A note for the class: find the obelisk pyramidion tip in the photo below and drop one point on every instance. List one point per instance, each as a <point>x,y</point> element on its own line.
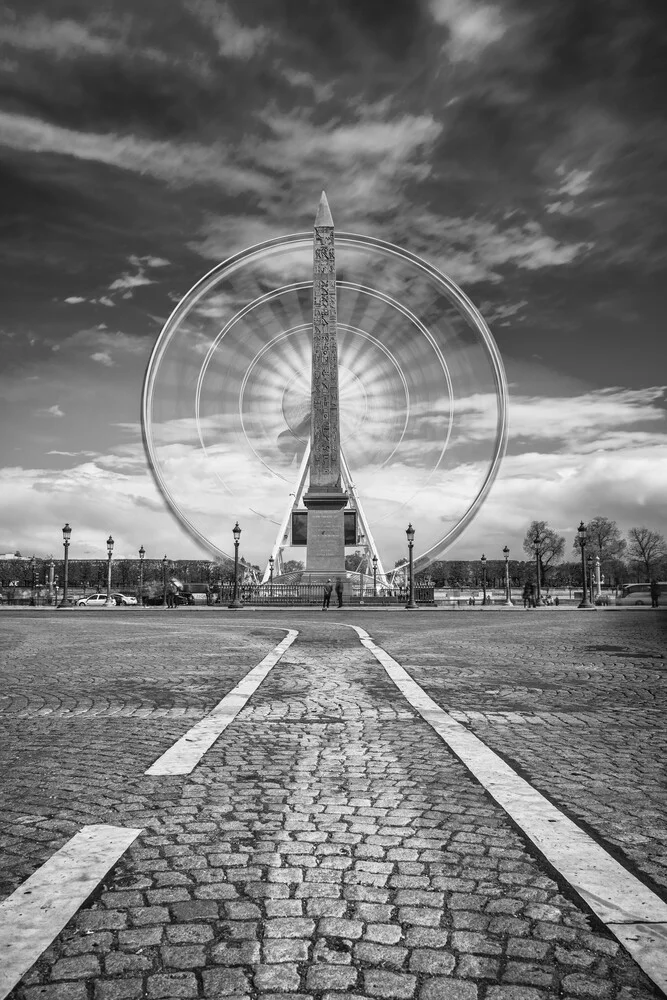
<point>323,217</point>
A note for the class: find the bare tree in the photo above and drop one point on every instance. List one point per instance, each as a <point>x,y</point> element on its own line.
<point>604,538</point>
<point>646,547</point>
<point>551,546</point>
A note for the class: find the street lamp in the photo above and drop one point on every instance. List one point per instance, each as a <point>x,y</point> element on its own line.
<point>142,553</point>
<point>412,604</point>
<point>508,588</point>
<point>271,565</point>
<point>483,562</point>
<point>33,584</point>
<point>67,532</point>
<point>236,603</point>
<point>537,542</point>
<point>375,576</point>
<point>164,582</point>
<point>109,603</point>
<point>581,532</point>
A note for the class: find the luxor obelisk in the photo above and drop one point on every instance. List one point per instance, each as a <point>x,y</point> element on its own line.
<point>325,499</point>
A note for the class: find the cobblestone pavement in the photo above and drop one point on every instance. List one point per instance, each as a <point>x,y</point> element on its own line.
<point>328,845</point>
<point>577,707</point>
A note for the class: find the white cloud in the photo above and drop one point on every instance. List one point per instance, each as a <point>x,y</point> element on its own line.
<point>473,27</point>
<point>235,40</point>
<point>129,281</point>
<point>176,163</point>
<point>74,300</point>
<point>103,358</point>
<point>65,38</point>
<point>51,411</point>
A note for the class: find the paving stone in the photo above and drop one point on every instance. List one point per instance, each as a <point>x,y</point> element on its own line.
<point>276,977</point>
<point>175,984</point>
<point>119,962</point>
<point>389,984</point>
<point>119,989</point>
<point>287,950</point>
<point>224,982</point>
<point>57,991</point>
<point>525,972</point>
<point>289,927</point>
<point>439,988</point>
<point>433,961</point>
<point>330,978</point>
<point>581,985</point>
<point>383,933</point>
<point>478,967</point>
<point>79,967</point>
<point>336,927</point>
<point>380,954</point>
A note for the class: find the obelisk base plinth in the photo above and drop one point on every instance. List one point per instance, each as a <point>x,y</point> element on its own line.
<point>325,553</point>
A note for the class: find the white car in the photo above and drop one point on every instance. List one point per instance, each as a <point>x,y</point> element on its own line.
<point>99,600</point>
<point>640,594</point>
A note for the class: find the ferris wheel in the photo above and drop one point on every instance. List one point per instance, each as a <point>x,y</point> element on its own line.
<point>422,395</point>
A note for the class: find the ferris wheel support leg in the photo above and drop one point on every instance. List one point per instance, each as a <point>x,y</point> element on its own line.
<point>283,530</point>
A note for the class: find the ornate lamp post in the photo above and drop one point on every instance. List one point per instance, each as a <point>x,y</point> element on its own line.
<point>375,576</point>
<point>508,588</point>
<point>483,562</point>
<point>581,532</point>
<point>67,531</point>
<point>236,603</point>
<point>271,565</point>
<point>109,603</point>
<point>412,604</point>
<point>537,542</point>
<point>33,582</point>
<point>142,553</point>
<point>164,582</point>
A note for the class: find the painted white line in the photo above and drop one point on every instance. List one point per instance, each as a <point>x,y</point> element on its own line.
<point>634,914</point>
<point>185,754</point>
<point>36,913</point>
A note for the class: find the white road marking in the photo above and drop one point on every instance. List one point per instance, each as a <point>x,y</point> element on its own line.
<point>185,754</point>
<point>636,916</point>
<point>36,913</point>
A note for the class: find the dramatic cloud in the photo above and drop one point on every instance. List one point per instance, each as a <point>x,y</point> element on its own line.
<point>179,163</point>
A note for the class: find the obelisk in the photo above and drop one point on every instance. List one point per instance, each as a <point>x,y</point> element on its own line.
<point>325,499</point>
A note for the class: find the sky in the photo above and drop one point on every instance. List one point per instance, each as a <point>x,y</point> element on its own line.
<point>520,148</point>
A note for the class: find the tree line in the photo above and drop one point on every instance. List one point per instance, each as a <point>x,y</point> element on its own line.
<point>639,557</point>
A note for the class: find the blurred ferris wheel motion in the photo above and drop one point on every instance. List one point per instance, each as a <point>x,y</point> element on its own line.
<point>422,391</point>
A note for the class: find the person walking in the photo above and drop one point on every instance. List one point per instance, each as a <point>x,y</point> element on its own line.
<point>339,591</point>
<point>655,593</point>
<point>328,590</point>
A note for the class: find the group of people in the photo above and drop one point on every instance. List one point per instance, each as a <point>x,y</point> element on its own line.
<point>529,597</point>
<point>328,591</point>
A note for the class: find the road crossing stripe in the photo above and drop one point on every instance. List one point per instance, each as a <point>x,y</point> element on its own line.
<point>38,910</point>
<point>636,916</point>
<point>185,754</point>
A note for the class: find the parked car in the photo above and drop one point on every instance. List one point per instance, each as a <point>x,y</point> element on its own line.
<point>92,601</point>
<point>126,599</point>
<point>640,594</point>
<point>201,593</point>
<point>99,600</point>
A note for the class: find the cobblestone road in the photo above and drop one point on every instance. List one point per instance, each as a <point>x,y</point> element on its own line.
<point>329,844</point>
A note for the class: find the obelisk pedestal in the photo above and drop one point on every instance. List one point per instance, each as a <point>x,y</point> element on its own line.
<point>325,499</point>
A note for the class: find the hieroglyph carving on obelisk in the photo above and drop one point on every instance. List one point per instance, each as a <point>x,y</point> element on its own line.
<point>325,421</point>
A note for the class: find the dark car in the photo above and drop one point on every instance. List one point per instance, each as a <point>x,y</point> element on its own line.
<point>201,593</point>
